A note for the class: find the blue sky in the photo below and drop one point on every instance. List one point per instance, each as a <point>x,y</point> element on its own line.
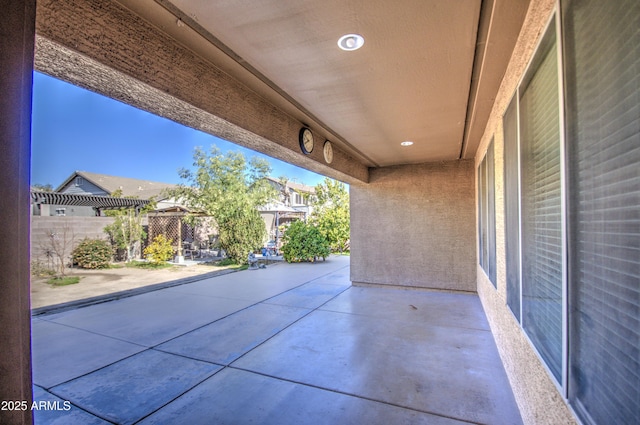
<point>75,129</point>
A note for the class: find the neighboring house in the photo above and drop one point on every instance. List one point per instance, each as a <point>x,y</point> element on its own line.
<point>295,195</point>
<point>294,203</point>
<point>276,214</point>
<point>86,183</point>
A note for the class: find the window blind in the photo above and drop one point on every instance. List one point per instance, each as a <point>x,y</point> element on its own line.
<point>542,253</point>
<point>486,215</point>
<point>482,236</point>
<point>491,215</point>
<point>603,95</point>
<point>512,209</point>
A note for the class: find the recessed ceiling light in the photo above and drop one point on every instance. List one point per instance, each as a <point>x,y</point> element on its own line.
<point>350,42</point>
<point>406,143</point>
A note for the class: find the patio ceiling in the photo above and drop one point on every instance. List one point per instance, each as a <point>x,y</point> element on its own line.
<point>428,72</point>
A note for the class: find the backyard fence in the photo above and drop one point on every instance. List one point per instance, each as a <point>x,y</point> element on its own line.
<point>54,237</point>
<point>49,233</point>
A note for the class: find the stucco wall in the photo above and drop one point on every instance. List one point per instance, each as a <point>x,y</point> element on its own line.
<point>71,229</point>
<point>413,226</point>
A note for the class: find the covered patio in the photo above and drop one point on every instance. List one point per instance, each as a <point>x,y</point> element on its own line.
<point>294,343</point>
<point>439,118</point>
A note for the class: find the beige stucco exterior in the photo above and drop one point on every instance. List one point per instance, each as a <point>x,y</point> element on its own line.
<point>413,226</point>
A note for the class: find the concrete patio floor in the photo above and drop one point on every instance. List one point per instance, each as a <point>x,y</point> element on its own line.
<point>290,344</point>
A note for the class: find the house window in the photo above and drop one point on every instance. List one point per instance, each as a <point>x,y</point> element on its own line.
<point>486,215</point>
<point>603,82</point>
<point>79,181</point>
<point>541,205</point>
<point>512,207</point>
<point>534,224</point>
<point>584,320</point>
<point>535,236</point>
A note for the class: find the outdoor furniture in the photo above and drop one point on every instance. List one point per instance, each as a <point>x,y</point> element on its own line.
<point>271,248</point>
<point>186,249</point>
<point>253,261</point>
<point>191,250</point>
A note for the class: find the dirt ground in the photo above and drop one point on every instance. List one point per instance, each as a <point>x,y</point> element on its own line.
<point>100,282</point>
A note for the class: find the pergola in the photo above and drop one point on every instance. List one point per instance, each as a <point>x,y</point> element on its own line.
<point>99,203</point>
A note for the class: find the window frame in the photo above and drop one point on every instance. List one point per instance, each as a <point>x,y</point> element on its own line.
<point>487,214</point>
<point>553,24</point>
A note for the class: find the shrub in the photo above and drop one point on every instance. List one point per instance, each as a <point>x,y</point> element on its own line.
<point>304,242</point>
<point>93,254</point>
<point>160,250</point>
<point>331,213</point>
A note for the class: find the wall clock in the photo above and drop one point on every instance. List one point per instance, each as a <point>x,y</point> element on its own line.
<point>328,152</point>
<point>306,140</point>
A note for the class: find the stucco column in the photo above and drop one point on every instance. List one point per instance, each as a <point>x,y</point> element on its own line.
<point>17,34</point>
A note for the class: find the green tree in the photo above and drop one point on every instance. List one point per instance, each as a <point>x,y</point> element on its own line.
<point>331,213</point>
<point>285,196</point>
<point>126,232</point>
<point>229,189</point>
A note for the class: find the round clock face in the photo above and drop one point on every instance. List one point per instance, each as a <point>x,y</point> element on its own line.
<point>306,140</point>
<point>328,152</point>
